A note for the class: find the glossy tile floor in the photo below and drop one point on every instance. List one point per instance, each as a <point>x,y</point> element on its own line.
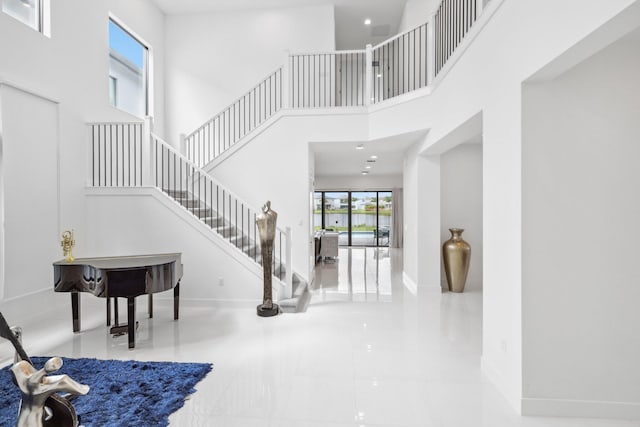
<point>366,353</point>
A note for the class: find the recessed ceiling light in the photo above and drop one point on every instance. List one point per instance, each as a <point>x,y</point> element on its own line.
<point>365,172</point>
<point>360,147</point>
<point>367,21</point>
<point>374,157</point>
<point>367,167</point>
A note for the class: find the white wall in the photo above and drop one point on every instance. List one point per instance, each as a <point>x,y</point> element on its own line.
<point>487,79</point>
<point>29,168</point>
<point>421,221</point>
<point>416,13</point>
<point>580,237</point>
<point>139,222</point>
<point>276,166</point>
<point>461,204</point>
<point>72,68</point>
<point>213,59</point>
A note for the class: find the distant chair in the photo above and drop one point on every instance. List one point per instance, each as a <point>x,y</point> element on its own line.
<point>329,245</point>
<point>380,235</point>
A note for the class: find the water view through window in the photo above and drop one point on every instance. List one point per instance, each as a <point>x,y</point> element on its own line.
<point>363,218</point>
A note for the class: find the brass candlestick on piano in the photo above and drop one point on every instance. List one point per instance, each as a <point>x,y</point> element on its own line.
<point>67,244</point>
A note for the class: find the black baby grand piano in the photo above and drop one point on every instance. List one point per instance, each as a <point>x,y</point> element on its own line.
<point>122,276</point>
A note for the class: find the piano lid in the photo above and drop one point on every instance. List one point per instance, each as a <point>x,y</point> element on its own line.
<point>130,261</point>
<point>118,276</point>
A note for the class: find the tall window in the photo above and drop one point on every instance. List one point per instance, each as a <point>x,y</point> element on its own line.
<point>363,218</point>
<point>128,71</point>
<point>30,12</point>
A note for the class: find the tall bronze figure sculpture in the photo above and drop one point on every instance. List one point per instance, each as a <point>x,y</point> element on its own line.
<point>266,222</point>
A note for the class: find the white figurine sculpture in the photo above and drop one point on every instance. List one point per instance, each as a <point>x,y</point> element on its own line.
<point>36,388</point>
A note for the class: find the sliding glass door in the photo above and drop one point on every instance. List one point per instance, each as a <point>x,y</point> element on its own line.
<point>363,218</point>
<point>383,232</point>
<point>336,214</point>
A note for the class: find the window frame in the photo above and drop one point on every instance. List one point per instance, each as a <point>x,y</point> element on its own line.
<point>42,16</point>
<point>113,90</point>
<point>147,67</point>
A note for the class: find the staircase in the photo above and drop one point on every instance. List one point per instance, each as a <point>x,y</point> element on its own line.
<point>246,242</point>
<point>129,155</point>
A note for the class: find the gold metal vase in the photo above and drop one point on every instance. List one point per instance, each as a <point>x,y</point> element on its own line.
<point>456,254</point>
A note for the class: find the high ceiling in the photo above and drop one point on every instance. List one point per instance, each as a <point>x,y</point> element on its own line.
<point>343,158</point>
<point>350,31</point>
<point>334,158</point>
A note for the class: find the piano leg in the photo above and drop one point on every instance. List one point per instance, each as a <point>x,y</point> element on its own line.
<point>75,311</point>
<point>131,321</point>
<point>176,301</point>
<point>115,312</point>
<point>150,306</point>
<point>108,311</point>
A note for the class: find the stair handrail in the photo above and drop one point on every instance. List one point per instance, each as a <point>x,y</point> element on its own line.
<point>254,87</point>
<point>327,52</point>
<point>252,118</point>
<point>202,174</point>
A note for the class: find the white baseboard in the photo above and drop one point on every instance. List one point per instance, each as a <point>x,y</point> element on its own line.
<point>580,408</point>
<point>208,302</point>
<point>414,288</point>
<point>527,406</point>
<point>497,379</point>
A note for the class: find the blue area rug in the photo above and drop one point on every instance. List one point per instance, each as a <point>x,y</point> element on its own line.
<point>123,393</point>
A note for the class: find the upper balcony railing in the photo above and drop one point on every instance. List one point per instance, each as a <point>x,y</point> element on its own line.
<point>400,65</point>
<point>356,78</point>
<point>229,126</point>
<point>452,21</point>
<point>320,80</point>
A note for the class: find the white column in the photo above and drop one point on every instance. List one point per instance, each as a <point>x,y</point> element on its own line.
<point>429,240</point>
<point>286,84</point>
<point>368,76</point>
